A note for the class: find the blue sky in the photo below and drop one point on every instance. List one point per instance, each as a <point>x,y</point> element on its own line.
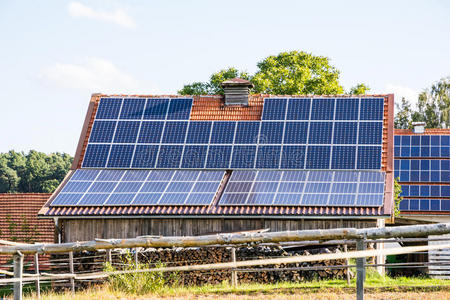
<point>55,54</point>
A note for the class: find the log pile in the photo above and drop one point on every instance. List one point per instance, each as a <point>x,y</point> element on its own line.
<point>93,262</point>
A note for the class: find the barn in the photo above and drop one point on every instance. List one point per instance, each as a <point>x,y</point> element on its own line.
<point>422,166</point>
<point>179,165</point>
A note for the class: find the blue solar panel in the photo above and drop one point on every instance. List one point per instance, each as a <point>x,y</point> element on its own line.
<point>223,132</point>
<point>76,187</point>
<point>322,109</point>
<point>139,187</point>
<point>274,109</point>
<point>344,157</point>
<point>169,156</point>
<point>108,108</point>
<point>369,157</point>
<point>243,157</point>
<point>347,109</point>
<point>96,156</point>
<point>290,138</point>
<point>126,132</point>
<point>247,133</point>
<point>179,109</point>
<point>293,157</point>
<point>145,156</point>
<point>194,157</point>
<point>271,133</point>
<point>371,109</point>
<point>268,157</point>
<point>120,156</point>
<point>318,157</point>
<point>320,132</point>
<point>298,109</point>
<point>151,132</point>
<point>303,188</point>
<point>156,109</point>
<point>132,109</point>
<point>67,199</point>
<point>218,157</point>
<point>199,132</point>
<point>370,133</point>
<point>296,133</point>
<point>102,132</point>
<point>175,132</point>
<point>345,132</point>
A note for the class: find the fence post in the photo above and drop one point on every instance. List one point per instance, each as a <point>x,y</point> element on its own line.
<point>108,256</point>
<point>18,271</point>
<point>347,262</point>
<point>72,271</point>
<point>234,279</point>
<point>36,271</point>
<point>360,270</point>
<point>136,259</point>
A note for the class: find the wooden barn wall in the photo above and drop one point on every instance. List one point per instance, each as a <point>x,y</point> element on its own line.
<point>89,229</point>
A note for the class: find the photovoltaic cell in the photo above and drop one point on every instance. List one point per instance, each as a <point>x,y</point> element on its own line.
<point>132,109</point>
<point>298,109</point>
<point>140,187</point>
<point>179,109</point>
<point>143,128</point>
<point>156,109</point>
<point>308,188</point>
<point>108,108</point>
<point>274,109</point>
<point>371,109</point>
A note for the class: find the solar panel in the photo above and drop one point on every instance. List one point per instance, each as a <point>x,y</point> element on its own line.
<point>274,109</point>
<point>422,170</point>
<point>138,187</point>
<point>179,109</point>
<point>156,109</point>
<point>307,188</point>
<point>157,133</point>
<point>371,109</point>
<point>435,146</point>
<point>132,109</point>
<point>298,109</point>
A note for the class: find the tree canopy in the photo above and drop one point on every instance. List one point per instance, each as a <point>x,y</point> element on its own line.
<point>290,73</point>
<point>433,107</point>
<point>34,172</point>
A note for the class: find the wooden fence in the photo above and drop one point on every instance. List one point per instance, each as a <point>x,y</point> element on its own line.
<point>361,236</point>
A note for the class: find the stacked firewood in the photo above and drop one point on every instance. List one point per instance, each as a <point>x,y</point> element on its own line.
<point>86,262</point>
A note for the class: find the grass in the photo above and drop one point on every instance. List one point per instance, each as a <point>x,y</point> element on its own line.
<point>384,287</point>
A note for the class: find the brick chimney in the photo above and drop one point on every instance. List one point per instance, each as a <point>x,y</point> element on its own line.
<point>237,91</point>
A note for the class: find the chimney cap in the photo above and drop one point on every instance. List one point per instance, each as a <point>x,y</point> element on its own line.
<point>237,82</point>
<point>418,127</point>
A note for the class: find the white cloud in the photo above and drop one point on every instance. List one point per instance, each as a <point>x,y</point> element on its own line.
<point>79,10</point>
<point>95,75</point>
<point>402,91</point>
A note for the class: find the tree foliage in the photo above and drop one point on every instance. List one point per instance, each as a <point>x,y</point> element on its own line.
<point>433,107</point>
<point>294,72</point>
<point>359,89</point>
<point>213,87</point>
<point>34,172</point>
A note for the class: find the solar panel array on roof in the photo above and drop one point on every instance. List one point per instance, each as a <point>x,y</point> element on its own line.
<point>139,187</point>
<point>422,146</point>
<point>307,188</point>
<point>422,165</point>
<point>309,133</point>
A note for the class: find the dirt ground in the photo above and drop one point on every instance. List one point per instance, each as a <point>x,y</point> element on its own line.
<point>317,296</point>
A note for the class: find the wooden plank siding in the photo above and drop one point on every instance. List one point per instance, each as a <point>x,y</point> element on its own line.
<point>88,229</point>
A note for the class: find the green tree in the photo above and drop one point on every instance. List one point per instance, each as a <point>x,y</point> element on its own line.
<point>35,172</point>
<point>213,87</point>
<point>296,72</point>
<point>286,73</point>
<point>403,117</point>
<point>359,89</point>
<point>434,105</point>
